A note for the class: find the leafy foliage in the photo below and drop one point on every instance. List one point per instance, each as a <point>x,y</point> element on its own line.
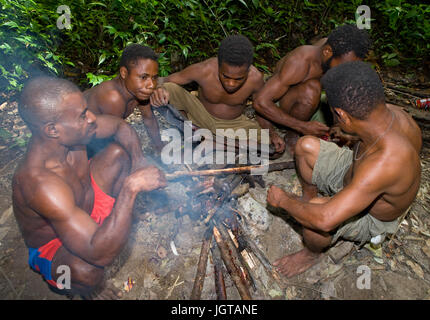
<point>187,31</point>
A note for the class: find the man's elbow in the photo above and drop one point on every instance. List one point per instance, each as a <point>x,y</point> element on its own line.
<point>260,105</point>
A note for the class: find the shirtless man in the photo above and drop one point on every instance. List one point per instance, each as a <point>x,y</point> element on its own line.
<point>295,83</point>
<point>56,188</point>
<point>133,87</point>
<point>225,84</point>
<point>370,187</point>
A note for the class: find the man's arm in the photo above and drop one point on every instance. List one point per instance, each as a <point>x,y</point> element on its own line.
<point>99,245</point>
<point>275,139</point>
<point>370,180</point>
<point>124,134</point>
<point>110,103</point>
<point>293,72</point>
<point>191,73</point>
<point>151,125</point>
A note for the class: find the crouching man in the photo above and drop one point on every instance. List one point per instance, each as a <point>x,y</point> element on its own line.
<point>73,212</point>
<point>369,187</point>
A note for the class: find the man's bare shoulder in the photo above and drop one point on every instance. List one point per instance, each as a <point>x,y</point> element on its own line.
<point>205,68</point>
<point>105,98</point>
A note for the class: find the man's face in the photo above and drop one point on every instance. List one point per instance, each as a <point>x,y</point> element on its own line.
<point>76,125</point>
<point>232,78</point>
<point>141,78</point>
<point>329,61</point>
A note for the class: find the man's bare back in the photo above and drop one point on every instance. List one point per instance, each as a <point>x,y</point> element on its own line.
<point>383,176</point>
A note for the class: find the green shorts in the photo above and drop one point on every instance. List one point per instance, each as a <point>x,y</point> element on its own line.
<point>329,171</point>
<point>182,100</point>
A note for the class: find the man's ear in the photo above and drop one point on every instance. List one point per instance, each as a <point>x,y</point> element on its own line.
<point>50,130</point>
<point>343,116</point>
<point>123,72</point>
<point>327,51</point>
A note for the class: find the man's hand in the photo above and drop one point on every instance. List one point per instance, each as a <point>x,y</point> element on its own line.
<point>146,179</point>
<point>277,142</point>
<point>342,138</point>
<point>275,195</point>
<point>159,97</point>
<point>314,128</point>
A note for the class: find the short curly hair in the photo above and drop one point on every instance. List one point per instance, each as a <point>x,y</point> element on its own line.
<point>348,38</point>
<point>134,52</point>
<point>236,50</point>
<point>40,99</point>
<point>353,87</point>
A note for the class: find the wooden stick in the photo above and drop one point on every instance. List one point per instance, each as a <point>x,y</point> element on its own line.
<point>231,268</point>
<point>272,167</point>
<point>237,258</point>
<point>201,268</point>
<point>218,274</point>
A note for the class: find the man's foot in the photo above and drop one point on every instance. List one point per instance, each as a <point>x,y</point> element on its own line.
<point>107,292</point>
<point>296,263</point>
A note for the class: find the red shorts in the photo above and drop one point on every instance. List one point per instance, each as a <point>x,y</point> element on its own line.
<point>41,259</point>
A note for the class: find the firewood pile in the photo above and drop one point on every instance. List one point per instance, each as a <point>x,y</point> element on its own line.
<point>212,199</point>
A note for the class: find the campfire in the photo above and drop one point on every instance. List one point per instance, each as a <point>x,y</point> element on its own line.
<point>212,199</point>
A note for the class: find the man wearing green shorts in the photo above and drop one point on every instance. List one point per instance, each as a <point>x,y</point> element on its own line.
<point>367,188</point>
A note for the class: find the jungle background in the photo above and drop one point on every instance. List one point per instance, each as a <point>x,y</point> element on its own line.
<point>182,33</point>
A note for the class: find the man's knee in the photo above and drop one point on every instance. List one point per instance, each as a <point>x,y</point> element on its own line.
<point>117,154</point>
<point>307,146</point>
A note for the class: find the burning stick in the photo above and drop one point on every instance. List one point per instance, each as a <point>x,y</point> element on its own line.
<point>201,267</point>
<point>272,167</point>
<point>231,268</point>
<point>236,255</point>
<point>219,274</point>
<point>248,243</point>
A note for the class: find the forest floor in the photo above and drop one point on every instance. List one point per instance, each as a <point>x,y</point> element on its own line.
<point>401,270</point>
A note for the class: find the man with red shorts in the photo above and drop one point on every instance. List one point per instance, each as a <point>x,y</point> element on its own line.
<point>56,187</point>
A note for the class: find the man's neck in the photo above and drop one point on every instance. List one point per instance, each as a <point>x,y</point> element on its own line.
<point>122,88</point>
<point>48,150</point>
<point>376,125</point>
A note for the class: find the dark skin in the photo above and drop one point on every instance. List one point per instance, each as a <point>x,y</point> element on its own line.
<point>223,91</point>
<point>53,196</point>
<point>132,88</point>
<point>295,84</point>
<point>384,182</point>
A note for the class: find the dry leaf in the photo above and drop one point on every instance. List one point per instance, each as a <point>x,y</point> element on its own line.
<point>416,268</point>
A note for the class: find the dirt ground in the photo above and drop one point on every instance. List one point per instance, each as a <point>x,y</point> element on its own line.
<point>401,270</point>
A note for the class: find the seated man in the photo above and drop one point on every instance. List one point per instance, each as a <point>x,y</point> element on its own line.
<point>370,187</point>
<point>137,79</point>
<point>73,212</point>
<point>225,84</point>
<point>295,83</point>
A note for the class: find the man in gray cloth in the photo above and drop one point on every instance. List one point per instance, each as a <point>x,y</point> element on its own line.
<point>370,187</point>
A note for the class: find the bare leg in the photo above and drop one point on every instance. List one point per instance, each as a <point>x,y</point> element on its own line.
<point>110,167</point>
<point>86,279</point>
<point>299,262</point>
<point>300,102</point>
<point>306,155</point>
